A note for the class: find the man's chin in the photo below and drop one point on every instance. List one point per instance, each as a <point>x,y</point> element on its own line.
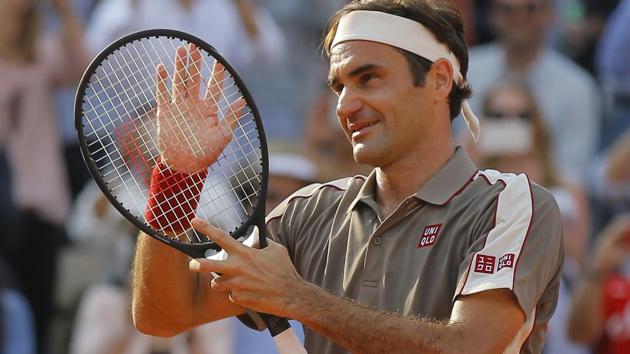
<point>363,155</point>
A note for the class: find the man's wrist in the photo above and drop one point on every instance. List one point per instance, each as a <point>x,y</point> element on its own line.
<point>173,198</point>
<point>303,298</point>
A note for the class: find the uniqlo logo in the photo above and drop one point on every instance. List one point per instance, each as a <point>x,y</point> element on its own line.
<point>485,264</point>
<point>507,261</point>
<point>429,235</point>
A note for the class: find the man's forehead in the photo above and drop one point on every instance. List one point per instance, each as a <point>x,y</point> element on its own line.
<point>342,53</point>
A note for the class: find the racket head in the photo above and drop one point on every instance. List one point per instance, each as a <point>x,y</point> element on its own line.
<point>115,121</point>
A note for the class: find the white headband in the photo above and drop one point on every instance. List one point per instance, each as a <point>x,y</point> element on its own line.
<point>406,34</point>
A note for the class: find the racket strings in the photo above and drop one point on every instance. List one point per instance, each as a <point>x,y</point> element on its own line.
<point>120,116</point>
<point>212,86</point>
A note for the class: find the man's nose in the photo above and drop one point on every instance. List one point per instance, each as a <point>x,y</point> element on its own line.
<point>348,103</point>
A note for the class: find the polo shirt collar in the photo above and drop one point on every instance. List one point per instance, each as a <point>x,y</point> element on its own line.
<point>449,181</point>
<point>366,192</point>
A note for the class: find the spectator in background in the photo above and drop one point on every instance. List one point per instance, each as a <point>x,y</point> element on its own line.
<point>17,333</point>
<point>482,27</point>
<point>31,67</point>
<point>600,314</point>
<point>298,75</point>
<point>578,27</point>
<point>238,29</point>
<point>241,30</point>
<point>77,174</point>
<point>467,9</point>
<point>601,308</point>
<point>609,180</point>
<point>614,72</point>
<point>515,139</point>
<point>616,178</point>
<point>567,95</point>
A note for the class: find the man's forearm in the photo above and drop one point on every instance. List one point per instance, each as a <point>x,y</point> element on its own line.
<point>162,288</point>
<point>167,297</point>
<point>363,330</point>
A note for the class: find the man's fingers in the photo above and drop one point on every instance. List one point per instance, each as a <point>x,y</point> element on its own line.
<point>273,244</point>
<point>193,70</point>
<point>215,86</point>
<point>221,238</point>
<point>161,92</point>
<point>210,266</point>
<point>237,111</point>
<point>223,283</point>
<point>179,73</point>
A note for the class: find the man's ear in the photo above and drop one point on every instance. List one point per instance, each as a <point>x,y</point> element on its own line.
<point>443,77</point>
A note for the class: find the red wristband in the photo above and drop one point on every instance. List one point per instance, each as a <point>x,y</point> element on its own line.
<point>173,198</point>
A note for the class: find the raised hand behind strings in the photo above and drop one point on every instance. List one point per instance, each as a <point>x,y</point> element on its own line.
<point>191,132</point>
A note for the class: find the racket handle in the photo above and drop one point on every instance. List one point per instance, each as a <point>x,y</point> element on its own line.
<point>288,343</point>
<point>275,324</point>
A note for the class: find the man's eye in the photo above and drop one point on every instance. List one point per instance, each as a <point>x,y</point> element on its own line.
<point>338,88</point>
<point>366,78</point>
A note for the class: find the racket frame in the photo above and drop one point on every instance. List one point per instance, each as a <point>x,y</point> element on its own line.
<point>195,250</point>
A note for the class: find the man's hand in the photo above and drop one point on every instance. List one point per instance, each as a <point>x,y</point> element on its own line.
<point>263,280</point>
<point>190,134</point>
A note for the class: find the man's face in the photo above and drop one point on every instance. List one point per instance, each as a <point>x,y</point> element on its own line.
<point>521,22</point>
<point>379,109</point>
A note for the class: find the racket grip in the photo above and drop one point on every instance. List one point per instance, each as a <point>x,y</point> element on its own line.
<point>288,343</point>
<point>275,324</point>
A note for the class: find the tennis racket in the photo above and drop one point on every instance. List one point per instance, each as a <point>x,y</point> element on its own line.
<point>165,148</point>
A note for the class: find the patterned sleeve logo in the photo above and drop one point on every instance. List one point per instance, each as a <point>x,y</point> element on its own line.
<point>507,261</point>
<point>485,264</point>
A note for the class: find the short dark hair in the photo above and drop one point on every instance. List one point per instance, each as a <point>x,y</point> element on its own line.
<point>440,17</point>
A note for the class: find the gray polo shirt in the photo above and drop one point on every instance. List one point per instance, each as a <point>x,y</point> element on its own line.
<point>465,231</point>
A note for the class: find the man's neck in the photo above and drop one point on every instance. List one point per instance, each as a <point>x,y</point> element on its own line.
<point>403,178</point>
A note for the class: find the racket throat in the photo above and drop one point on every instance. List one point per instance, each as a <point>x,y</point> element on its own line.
<point>275,325</point>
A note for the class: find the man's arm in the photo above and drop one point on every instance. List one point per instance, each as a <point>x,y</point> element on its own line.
<point>266,281</point>
<point>167,297</point>
<point>480,323</point>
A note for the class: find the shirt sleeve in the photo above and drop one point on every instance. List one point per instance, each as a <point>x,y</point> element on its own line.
<point>279,223</point>
<point>523,249</point>
<point>282,223</point>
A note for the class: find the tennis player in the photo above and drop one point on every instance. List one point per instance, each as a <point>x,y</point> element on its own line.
<point>427,254</point>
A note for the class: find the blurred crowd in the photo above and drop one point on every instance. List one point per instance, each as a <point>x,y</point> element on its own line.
<point>551,85</point>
